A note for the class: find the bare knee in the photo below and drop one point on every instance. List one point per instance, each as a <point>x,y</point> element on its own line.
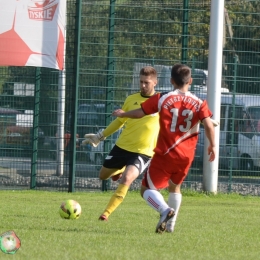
<point>127,179</point>
<point>129,175</point>
<point>175,188</point>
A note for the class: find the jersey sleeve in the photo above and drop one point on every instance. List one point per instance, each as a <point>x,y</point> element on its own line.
<point>125,107</point>
<point>113,127</point>
<point>204,111</point>
<point>150,106</point>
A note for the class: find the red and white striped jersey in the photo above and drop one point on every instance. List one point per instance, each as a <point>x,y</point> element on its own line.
<point>180,113</point>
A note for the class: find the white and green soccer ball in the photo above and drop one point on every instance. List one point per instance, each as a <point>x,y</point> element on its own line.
<point>70,209</point>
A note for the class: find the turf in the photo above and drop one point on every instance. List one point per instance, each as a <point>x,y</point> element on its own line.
<point>208,227</point>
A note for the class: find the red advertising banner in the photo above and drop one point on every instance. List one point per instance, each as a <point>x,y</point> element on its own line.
<point>32,33</point>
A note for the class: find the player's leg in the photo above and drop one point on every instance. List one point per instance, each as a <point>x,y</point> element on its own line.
<point>106,173</point>
<point>174,201</point>
<point>117,198</point>
<point>175,196</point>
<point>155,178</point>
<point>136,165</point>
<point>114,164</point>
<point>156,201</point>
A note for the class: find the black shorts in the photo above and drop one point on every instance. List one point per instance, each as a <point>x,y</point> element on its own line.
<point>118,158</point>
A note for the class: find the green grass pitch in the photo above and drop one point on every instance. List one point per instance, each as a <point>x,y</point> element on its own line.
<point>208,227</point>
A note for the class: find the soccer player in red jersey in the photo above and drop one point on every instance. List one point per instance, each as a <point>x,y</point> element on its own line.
<point>180,114</point>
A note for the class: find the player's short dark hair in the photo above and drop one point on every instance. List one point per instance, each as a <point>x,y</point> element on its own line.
<point>148,71</point>
<point>181,74</point>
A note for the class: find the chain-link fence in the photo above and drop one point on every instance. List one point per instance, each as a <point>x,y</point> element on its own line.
<point>106,45</point>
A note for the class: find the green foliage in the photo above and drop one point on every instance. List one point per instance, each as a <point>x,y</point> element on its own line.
<point>137,31</point>
<point>244,24</point>
<point>209,227</point>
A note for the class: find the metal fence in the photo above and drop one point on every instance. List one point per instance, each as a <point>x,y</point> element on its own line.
<point>106,45</point>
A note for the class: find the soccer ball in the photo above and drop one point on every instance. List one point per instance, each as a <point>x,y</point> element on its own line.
<point>70,209</point>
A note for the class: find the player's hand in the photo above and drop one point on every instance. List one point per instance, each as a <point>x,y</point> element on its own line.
<point>93,139</point>
<point>211,153</point>
<point>118,113</point>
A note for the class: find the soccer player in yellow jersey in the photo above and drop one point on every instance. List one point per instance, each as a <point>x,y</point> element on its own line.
<point>134,147</point>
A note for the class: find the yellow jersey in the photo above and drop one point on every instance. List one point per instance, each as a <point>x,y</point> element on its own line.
<point>138,135</point>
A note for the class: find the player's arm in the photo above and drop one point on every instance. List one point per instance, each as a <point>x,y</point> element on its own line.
<point>94,139</point>
<point>114,126</point>
<point>210,133</point>
<point>214,122</point>
<point>136,113</point>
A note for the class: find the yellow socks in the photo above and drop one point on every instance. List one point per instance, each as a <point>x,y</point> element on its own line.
<point>116,199</point>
